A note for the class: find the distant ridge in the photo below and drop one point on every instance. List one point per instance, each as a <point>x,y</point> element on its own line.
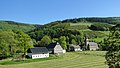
<point>109,20</point>
<point>12,25</point>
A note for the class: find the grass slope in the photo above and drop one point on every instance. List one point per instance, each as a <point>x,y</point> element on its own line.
<point>80,23</point>
<point>11,25</point>
<point>84,59</point>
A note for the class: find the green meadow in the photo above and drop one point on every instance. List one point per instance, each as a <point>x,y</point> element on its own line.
<point>86,24</point>
<point>83,59</point>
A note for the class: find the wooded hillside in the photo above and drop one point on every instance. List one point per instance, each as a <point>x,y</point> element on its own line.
<point>11,25</point>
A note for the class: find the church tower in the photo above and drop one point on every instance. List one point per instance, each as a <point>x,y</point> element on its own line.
<point>86,42</point>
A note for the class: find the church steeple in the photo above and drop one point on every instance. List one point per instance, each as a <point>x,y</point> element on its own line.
<point>86,40</point>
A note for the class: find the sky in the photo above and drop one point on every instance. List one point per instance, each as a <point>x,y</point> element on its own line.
<point>46,11</point>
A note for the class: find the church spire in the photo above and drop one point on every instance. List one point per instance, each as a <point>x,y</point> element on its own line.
<point>86,41</point>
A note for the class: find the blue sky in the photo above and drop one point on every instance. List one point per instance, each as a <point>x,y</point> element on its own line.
<point>45,11</point>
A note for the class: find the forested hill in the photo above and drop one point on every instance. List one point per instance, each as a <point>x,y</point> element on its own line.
<point>94,27</point>
<point>82,23</point>
<point>109,20</point>
<point>11,25</point>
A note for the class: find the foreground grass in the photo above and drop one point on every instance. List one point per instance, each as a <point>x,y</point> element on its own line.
<point>8,62</point>
<point>84,59</point>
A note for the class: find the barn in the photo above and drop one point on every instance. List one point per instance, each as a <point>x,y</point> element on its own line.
<point>92,46</point>
<point>38,52</point>
<point>55,48</point>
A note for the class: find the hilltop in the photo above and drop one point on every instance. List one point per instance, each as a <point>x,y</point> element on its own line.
<point>12,25</point>
<point>81,23</point>
<point>109,20</point>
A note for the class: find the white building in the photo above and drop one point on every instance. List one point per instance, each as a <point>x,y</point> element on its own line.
<point>55,48</point>
<point>38,52</point>
<point>90,45</point>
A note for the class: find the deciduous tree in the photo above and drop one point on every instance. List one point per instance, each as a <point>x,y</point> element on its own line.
<point>113,54</point>
<point>45,41</point>
<point>62,41</point>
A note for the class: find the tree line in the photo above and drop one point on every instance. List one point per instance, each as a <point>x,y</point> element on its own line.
<point>13,42</point>
<point>112,46</point>
<point>66,36</point>
<point>109,20</point>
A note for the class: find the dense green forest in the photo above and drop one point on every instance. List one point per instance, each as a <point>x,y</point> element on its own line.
<point>112,45</point>
<point>110,20</point>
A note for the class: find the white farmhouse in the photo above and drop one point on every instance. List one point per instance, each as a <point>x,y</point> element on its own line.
<point>38,52</point>
<point>55,48</point>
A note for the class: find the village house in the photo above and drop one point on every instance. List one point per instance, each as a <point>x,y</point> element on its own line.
<point>38,52</point>
<point>90,45</point>
<point>75,48</point>
<point>55,48</point>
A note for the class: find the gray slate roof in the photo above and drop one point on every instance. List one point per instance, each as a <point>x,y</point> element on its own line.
<point>92,43</point>
<point>38,50</point>
<point>52,45</point>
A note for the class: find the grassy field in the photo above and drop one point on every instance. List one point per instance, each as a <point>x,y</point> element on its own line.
<point>105,32</point>
<point>98,39</point>
<point>86,24</point>
<point>84,59</point>
<point>79,26</point>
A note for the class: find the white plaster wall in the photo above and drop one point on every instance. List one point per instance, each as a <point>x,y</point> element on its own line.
<point>64,51</point>
<point>34,56</point>
<point>93,47</point>
<point>78,49</point>
<point>58,49</point>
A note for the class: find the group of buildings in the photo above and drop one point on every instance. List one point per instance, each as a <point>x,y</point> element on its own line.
<point>56,48</point>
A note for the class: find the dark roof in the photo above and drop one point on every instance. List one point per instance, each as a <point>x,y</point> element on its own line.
<point>52,45</point>
<point>38,50</point>
<point>92,43</point>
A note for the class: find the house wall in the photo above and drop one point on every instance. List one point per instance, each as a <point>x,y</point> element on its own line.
<point>77,49</point>
<point>58,49</point>
<point>34,56</point>
<point>64,51</point>
<point>93,47</point>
